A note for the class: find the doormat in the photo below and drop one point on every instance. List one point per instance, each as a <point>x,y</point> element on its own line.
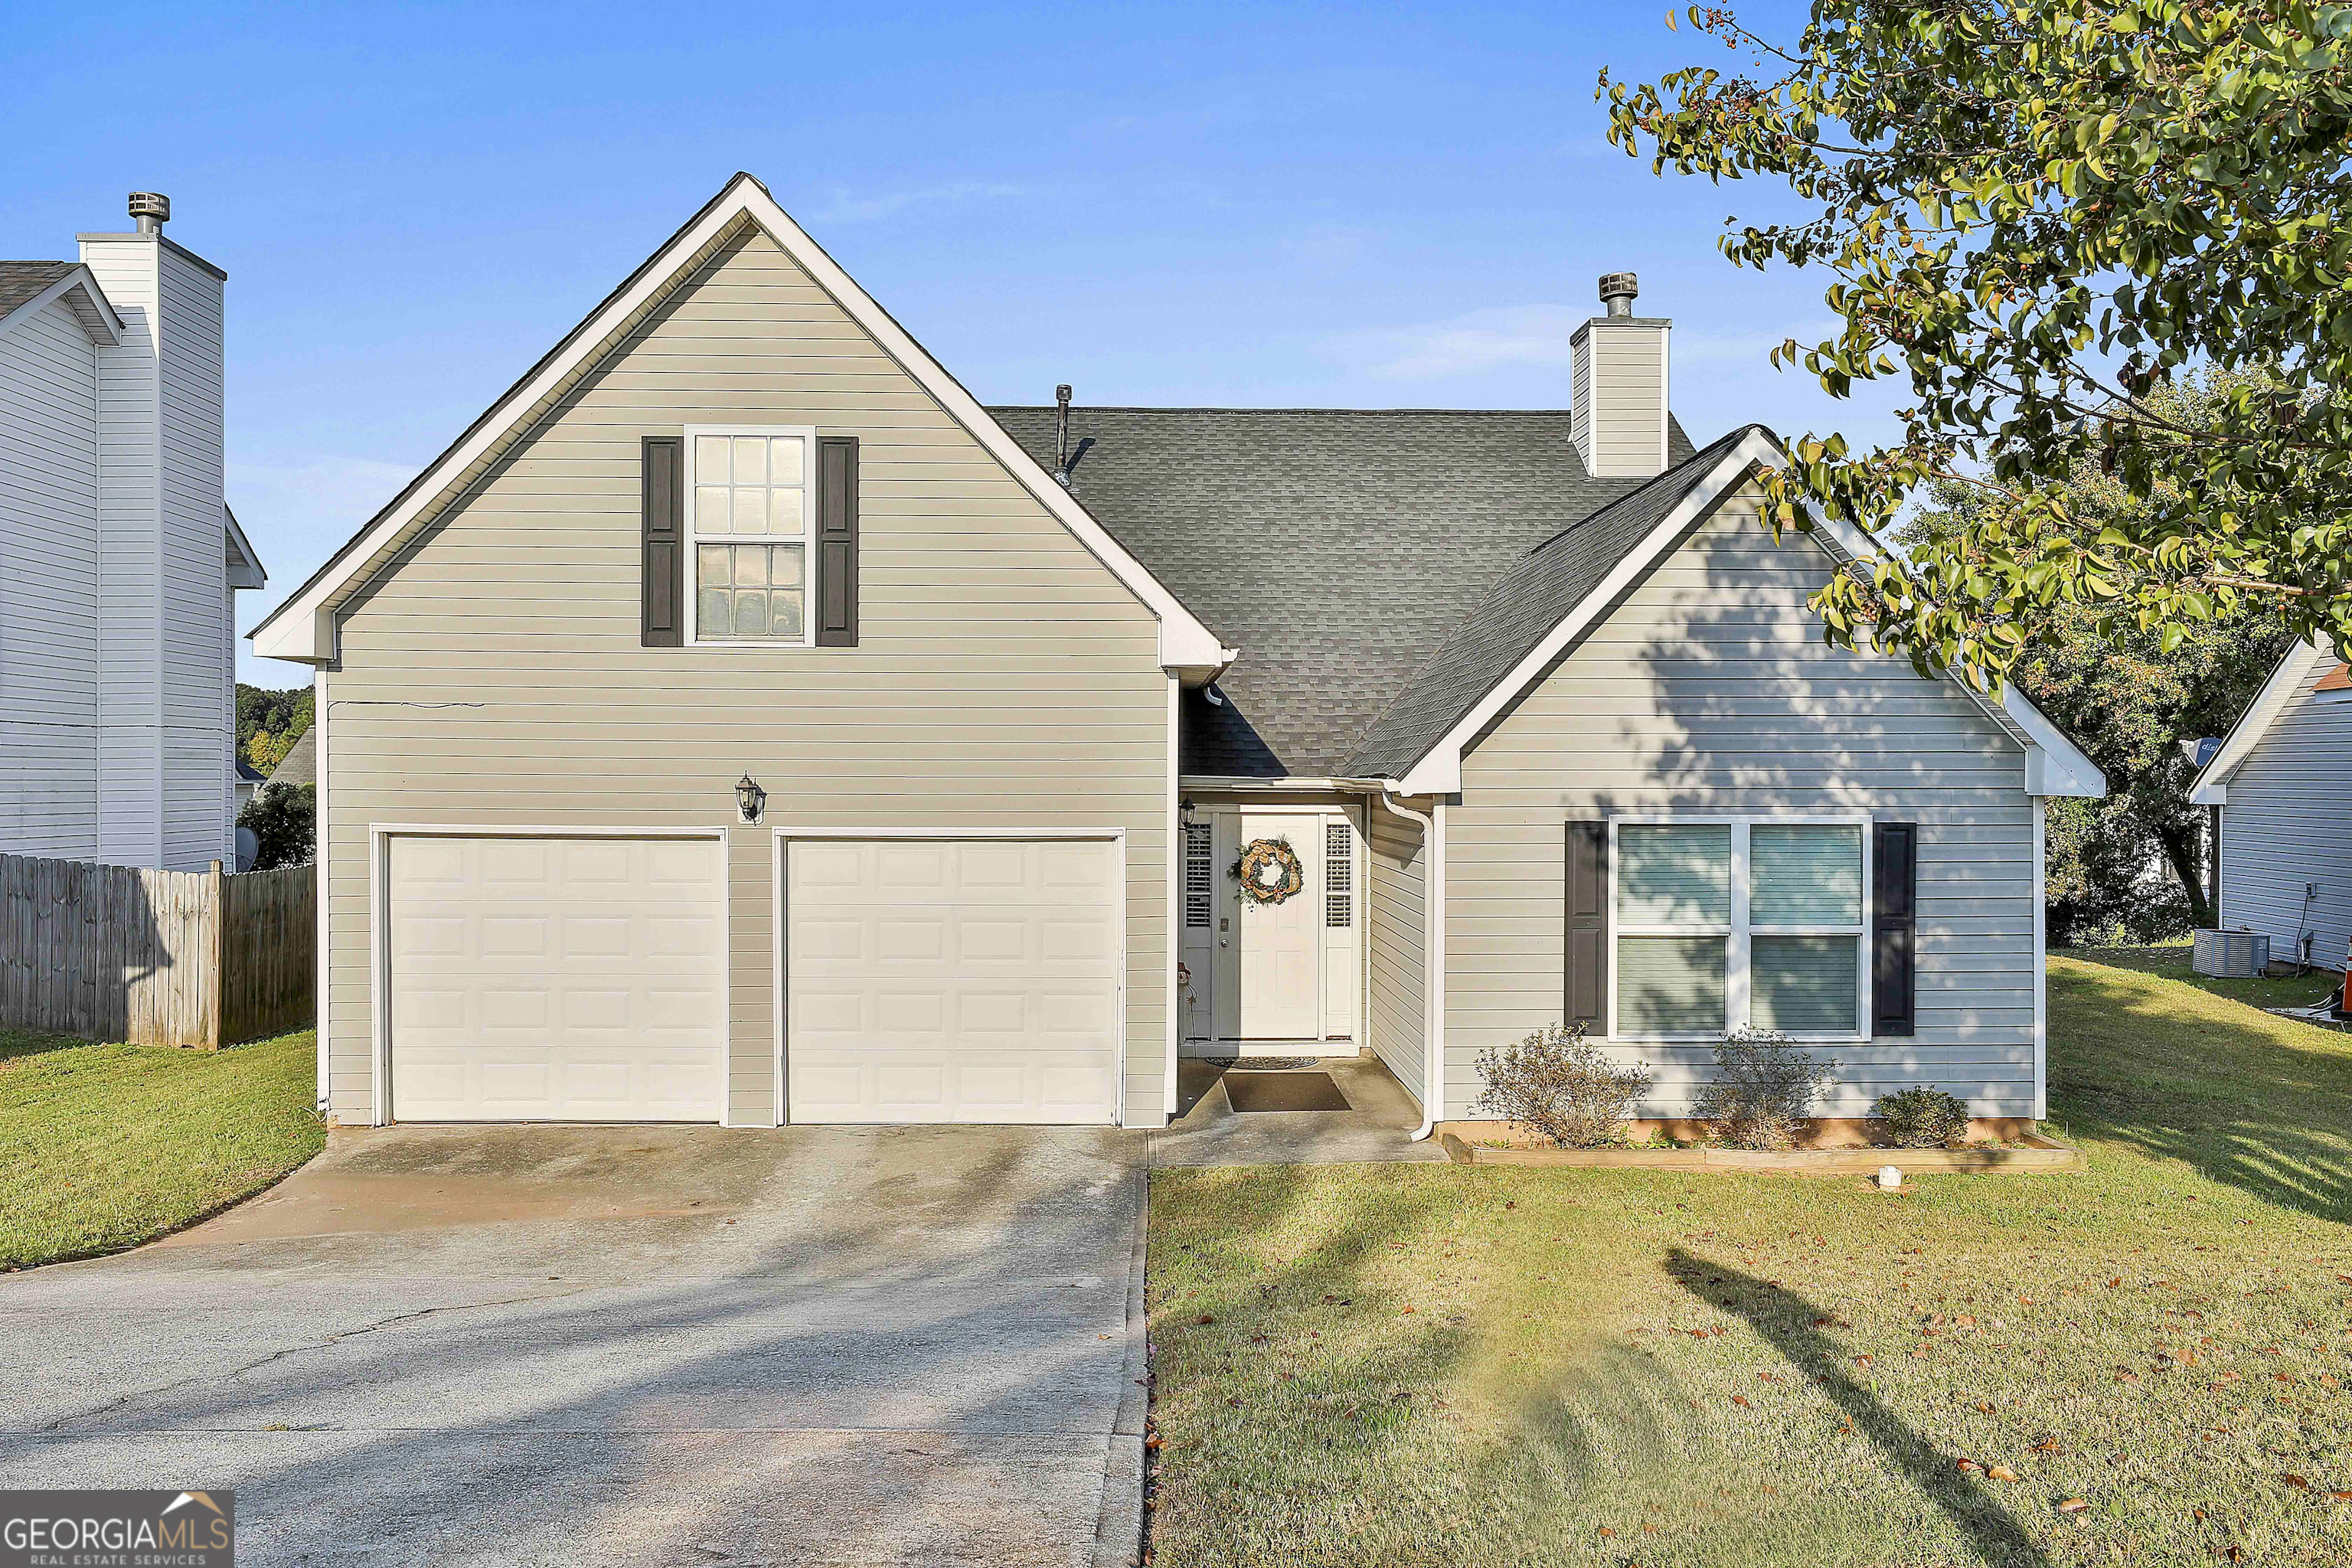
<point>1249,1091</point>
<point>1262,1064</point>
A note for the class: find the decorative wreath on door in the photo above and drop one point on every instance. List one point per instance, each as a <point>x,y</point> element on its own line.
<point>1269,871</point>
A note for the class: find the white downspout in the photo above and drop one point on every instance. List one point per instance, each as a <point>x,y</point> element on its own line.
<point>1432,1027</point>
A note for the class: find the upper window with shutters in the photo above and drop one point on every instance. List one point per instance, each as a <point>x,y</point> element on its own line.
<point>750,520</point>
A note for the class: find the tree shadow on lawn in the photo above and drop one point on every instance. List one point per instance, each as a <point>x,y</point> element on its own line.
<point>1783,1319</point>
<point>2260,1103</point>
<point>17,1044</point>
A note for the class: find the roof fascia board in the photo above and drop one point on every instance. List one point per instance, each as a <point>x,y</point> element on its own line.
<point>96,312</point>
<point>2211,785</point>
<point>2053,764</point>
<point>1439,771</point>
<point>304,628</point>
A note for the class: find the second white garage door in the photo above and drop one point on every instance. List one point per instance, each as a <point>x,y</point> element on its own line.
<point>953,980</point>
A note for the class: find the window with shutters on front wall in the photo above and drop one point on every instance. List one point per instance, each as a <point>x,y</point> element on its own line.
<point>1719,924</point>
<point>751,523</point>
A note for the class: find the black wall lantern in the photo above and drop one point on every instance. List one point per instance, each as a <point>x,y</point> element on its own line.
<point>750,800</point>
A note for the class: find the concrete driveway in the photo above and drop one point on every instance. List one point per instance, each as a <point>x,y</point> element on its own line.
<point>639,1345</point>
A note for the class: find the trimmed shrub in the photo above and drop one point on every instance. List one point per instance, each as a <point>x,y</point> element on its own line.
<point>1562,1088</point>
<point>1763,1088</point>
<point>1923,1118</point>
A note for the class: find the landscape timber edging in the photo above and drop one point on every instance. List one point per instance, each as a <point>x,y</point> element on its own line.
<point>2041,1154</point>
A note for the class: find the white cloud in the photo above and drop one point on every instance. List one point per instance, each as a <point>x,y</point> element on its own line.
<point>871,206</point>
<point>1526,335</point>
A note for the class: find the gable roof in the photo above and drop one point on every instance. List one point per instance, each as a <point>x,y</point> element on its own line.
<point>1522,608</point>
<point>299,765</point>
<point>1533,616</point>
<point>2297,669</point>
<point>303,627</point>
<point>26,286</point>
<point>1336,548</point>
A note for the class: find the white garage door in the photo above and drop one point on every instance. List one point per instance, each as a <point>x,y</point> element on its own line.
<point>557,979</point>
<point>953,980</point>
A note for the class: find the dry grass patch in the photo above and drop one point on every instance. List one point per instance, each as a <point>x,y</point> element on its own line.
<point>2143,1364</point>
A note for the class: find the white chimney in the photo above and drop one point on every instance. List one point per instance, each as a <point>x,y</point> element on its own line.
<point>1619,393</point>
<point>164,590</point>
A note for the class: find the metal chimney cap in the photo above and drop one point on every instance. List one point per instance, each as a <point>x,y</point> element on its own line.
<point>1618,292</point>
<point>153,209</point>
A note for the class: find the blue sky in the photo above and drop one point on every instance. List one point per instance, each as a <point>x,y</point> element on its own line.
<point>1251,205</point>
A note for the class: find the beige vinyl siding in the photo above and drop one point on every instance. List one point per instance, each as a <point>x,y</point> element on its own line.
<point>2288,823</point>
<point>1005,680</point>
<point>1397,945</point>
<point>48,594</point>
<point>1629,408</point>
<point>1709,690</point>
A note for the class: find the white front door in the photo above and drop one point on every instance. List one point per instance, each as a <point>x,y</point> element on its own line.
<point>544,979</point>
<point>953,980</point>
<point>1278,947</point>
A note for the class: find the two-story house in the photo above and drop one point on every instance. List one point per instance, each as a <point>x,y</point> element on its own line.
<point>119,562</point>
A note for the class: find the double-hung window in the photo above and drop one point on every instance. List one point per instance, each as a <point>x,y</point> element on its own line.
<point>751,517</point>
<point>1722,923</point>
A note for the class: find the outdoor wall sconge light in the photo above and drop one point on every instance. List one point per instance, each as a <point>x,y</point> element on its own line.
<point>749,798</point>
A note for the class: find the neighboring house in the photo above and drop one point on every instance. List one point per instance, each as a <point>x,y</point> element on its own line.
<point>122,561</point>
<point>299,765</point>
<point>248,779</point>
<point>741,723</point>
<point>2282,779</point>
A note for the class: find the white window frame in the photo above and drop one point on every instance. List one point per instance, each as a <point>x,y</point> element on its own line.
<point>694,638</point>
<point>1735,933</point>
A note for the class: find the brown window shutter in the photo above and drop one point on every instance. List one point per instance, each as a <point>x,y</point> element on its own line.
<point>1894,927</point>
<point>1586,948</point>
<point>837,541</point>
<point>663,462</point>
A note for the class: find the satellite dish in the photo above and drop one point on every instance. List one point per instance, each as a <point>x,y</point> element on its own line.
<point>249,849</point>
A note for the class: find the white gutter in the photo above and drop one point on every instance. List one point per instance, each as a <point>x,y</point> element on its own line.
<point>1432,1025</point>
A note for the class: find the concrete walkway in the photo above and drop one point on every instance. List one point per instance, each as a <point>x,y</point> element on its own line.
<point>623,1345</point>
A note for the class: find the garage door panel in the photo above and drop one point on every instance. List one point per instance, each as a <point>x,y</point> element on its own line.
<point>556,979</point>
<point>953,981</point>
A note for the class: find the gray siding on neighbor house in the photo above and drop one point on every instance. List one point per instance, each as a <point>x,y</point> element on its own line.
<point>1005,679</point>
<point>1709,690</point>
<point>1397,944</point>
<point>2288,823</point>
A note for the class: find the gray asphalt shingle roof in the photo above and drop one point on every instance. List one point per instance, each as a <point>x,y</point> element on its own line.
<point>1339,549</point>
<point>1517,611</point>
<point>20,280</point>
<point>301,763</point>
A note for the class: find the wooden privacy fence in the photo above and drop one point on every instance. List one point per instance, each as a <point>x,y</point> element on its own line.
<point>155,958</point>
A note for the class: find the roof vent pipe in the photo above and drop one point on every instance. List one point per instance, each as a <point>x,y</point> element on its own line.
<point>1618,292</point>
<point>153,209</point>
<point>1062,434</point>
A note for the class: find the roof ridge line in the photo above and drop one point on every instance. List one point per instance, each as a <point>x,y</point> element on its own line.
<point>1616,501</point>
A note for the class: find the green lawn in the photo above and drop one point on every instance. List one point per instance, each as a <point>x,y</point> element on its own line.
<point>1470,1365</point>
<point>103,1147</point>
